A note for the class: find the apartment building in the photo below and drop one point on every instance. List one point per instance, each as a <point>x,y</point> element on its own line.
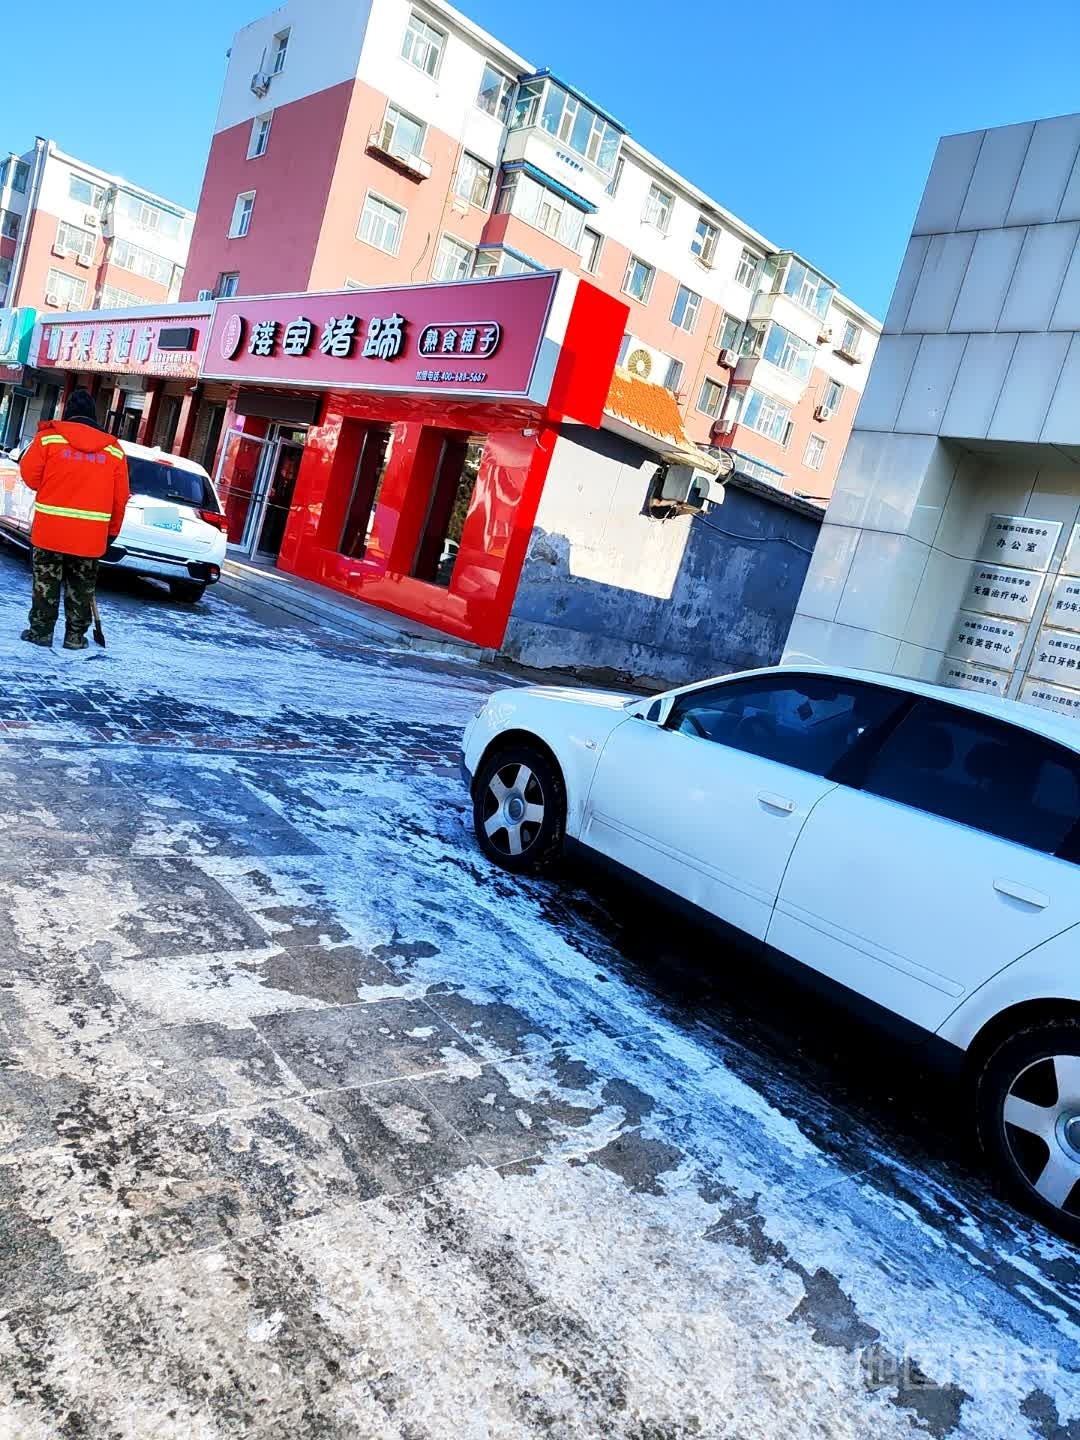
<point>363,144</point>
<point>73,237</point>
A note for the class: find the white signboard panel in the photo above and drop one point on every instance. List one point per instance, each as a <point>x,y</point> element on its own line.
<point>1056,657</point>
<point>1010,593</point>
<point>1058,698</point>
<point>1020,540</point>
<point>1063,611</point>
<point>961,676</point>
<point>987,640</point>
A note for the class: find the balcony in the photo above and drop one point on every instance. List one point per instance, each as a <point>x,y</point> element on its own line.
<point>386,144</point>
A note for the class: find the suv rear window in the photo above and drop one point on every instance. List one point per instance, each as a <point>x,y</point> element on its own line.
<point>169,482</point>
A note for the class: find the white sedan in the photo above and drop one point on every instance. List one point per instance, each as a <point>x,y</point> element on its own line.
<point>915,848</point>
<point>174,528</point>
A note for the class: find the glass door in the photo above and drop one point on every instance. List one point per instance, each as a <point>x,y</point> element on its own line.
<point>256,478</point>
<point>239,478</point>
<point>283,466</point>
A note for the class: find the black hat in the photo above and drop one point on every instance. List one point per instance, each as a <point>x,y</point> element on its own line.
<point>80,406</point>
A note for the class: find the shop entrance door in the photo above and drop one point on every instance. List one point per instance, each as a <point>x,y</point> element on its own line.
<point>257,476</point>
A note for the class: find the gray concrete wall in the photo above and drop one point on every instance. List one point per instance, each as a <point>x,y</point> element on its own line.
<point>611,592</point>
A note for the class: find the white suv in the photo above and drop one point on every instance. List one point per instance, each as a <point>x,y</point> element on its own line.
<point>915,849</point>
<point>174,528</point>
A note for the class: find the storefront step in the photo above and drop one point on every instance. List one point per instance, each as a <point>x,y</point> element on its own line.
<point>339,613</point>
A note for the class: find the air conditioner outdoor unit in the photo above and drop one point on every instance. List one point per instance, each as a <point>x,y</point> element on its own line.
<point>83,260</point>
<point>59,250</point>
<point>260,83</point>
<point>92,218</point>
<point>730,358</point>
<point>53,300</point>
<point>684,487</point>
<point>823,412</point>
<point>205,295</point>
<point>824,335</point>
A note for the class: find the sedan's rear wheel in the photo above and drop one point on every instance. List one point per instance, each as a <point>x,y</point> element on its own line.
<point>519,808</point>
<point>1029,1120</point>
<point>190,591</point>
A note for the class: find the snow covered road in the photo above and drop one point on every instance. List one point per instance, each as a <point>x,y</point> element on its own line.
<point>312,1124</point>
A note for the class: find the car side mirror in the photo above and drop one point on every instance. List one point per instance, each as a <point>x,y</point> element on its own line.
<point>655,711</point>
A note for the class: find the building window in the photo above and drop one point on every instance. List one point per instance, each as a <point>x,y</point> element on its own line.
<point>451,499</point>
<point>5,270</point>
<point>807,288</point>
<point>592,243</point>
<point>381,224</point>
<point>85,192</point>
<point>849,345</point>
<point>485,264</point>
<point>423,45</point>
<point>711,398</point>
<point>127,256</point>
<point>402,134</point>
<point>730,333</point>
<point>748,270</point>
<point>767,416</point>
<point>9,224</point>
<point>279,48</point>
<point>453,260</point>
<point>260,135</point>
<point>673,377</point>
<point>616,176</point>
<point>65,290</point>
<point>351,284</point>
<point>228,283</point>
<point>495,93</point>
<point>815,452</point>
<point>684,312</point>
<point>74,239</point>
<point>624,349</point>
<point>241,215</point>
<point>528,200</point>
<point>473,182</point>
<point>788,353</point>
<point>658,207</point>
<point>834,394</point>
<point>703,245</point>
<point>113,298</point>
<point>20,176</point>
<point>639,280</point>
<point>149,217</point>
<point>569,120</point>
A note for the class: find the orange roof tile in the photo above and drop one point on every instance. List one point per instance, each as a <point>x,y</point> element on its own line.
<point>646,406</point>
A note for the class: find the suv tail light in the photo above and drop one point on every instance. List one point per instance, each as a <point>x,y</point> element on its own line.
<point>215,518</point>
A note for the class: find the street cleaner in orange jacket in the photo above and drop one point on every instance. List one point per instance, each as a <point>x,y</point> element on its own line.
<point>80,475</point>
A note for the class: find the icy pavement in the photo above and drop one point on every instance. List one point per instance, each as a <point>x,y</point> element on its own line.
<point>314,1125</point>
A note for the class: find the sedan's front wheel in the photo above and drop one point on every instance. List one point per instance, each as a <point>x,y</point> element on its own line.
<point>1028,1101</point>
<point>519,808</point>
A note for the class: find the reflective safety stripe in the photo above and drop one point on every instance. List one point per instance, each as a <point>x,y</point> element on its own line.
<point>72,514</point>
<point>53,440</point>
<point>114,450</point>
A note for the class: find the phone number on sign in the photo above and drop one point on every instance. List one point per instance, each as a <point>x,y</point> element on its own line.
<point>474,377</point>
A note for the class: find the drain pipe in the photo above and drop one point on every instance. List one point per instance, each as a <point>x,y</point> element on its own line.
<point>33,191</point>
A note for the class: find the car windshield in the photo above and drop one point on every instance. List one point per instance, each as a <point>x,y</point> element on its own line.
<point>160,481</point>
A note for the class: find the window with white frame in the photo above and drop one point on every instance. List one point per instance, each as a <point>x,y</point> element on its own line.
<point>788,353</point>
<point>542,208</point>
<point>815,452</point>
<point>767,416</point>
<point>351,284</point>
<point>684,312</point>
<point>616,176</point>
<point>147,216</point>
<point>279,48</point>
<point>486,264</point>
<point>127,256</point>
<point>473,180</point>
<point>73,238</point>
<point>834,394</point>
<point>228,284</point>
<point>85,192</point>
<point>241,215</point>
<point>20,176</point>
<point>711,398</point>
<point>851,338</point>
<point>402,133</point>
<point>658,206</point>
<point>65,290</point>
<point>453,260</point>
<point>703,245</point>
<point>5,271</point>
<point>624,349</point>
<point>381,224</point>
<point>592,243</point>
<point>730,333</point>
<point>567,118</point>
<point>748,269</point>
<point>673,375</point>
<point>638,281</point>
<point>9,224</point>
<point>423,44</point>
<point>496,93</point>
<point>113,298</point>
<point>260,135</point>
<point>807,287</point>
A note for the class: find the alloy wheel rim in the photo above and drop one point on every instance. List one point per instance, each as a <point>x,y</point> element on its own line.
<point>1042,1129</point>
<point>514,809</point>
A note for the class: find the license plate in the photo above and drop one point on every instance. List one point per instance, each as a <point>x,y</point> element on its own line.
<point>167,519</point>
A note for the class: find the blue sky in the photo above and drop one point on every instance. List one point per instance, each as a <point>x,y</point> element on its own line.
<point>817,126</point>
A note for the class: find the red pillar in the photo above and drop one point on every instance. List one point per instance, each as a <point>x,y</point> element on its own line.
<point>145,433</point>
<point>185,425</point>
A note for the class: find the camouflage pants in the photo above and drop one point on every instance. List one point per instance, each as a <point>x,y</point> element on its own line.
<point>78,577</point>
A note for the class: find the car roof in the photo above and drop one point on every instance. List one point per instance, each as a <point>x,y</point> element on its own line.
<point>1061,728</point>
<point>162,457</point>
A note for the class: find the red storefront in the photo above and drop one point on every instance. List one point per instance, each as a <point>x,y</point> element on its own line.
<point>393,443</point>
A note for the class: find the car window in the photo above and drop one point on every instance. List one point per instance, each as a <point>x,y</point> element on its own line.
<point>980,772</point>
<point>807,721</point>
<point>169,482</point>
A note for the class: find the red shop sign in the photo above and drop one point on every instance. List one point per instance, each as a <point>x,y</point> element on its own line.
<point>168,347</point>
<point>478,337</point>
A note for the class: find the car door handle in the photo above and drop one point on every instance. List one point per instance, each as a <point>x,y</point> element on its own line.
<point>1035,898</point>
<point>776,802</point>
